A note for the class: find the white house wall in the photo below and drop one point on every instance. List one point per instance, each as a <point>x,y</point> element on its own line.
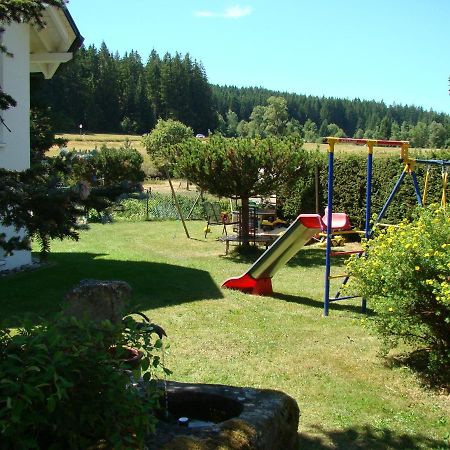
<point>15,145</point>
<point>15,152</point>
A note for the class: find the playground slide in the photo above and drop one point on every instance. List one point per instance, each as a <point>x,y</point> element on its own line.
<point>258,278</point>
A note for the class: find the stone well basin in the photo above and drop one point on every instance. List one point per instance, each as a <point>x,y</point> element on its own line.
<point>229,417</point>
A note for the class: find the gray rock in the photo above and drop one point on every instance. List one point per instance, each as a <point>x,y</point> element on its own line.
<point>98,300</point>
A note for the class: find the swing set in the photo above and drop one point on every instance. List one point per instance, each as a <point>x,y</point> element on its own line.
<point>410,165</point>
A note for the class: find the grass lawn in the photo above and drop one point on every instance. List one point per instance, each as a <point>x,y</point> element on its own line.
<point>349,397</point>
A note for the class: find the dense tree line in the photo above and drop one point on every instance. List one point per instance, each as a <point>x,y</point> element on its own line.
<point>107,92</point>
<point>241,110</point>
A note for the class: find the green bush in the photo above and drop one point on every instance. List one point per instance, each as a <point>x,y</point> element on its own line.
<point>406,279</point>
<point>108,166</point>
<point>161,143</point>
<point>62,387</point>
<point>349,193</point>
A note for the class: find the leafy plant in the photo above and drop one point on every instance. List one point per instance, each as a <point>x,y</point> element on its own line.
<point>34,200</point>
<point>61,387</point>
<point>406,279</point>
<point>108,166</point>
<point>349,192</point>
<point>162,141</point>
<point>240,168</point>
<point>42,133</point>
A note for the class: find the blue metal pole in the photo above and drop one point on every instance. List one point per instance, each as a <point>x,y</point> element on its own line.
<point>368,205</point>
<point>326,299</point>
<point>369,190</point>
<point>437,162</point>
<point>390,198</point>
<point>416,188</point>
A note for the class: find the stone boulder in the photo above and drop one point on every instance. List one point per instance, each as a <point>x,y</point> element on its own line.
<point>98,300</point>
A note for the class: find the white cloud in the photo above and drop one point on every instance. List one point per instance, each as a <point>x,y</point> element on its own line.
<point>236,12</point>
<point>233,12</point>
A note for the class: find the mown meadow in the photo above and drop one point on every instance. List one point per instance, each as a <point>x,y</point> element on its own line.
<point>349,396</point>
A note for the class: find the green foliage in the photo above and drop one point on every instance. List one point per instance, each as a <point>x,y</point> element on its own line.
<point>310,132</point>
<point>161,143</point>
<point>129,126</point>
<point>349,191</point>
<point>42,134</point>
<point>48,199</point>
<point>270,120</point>
<point>231,129</point>
<point>355,117</point>
<point>107,166</point>
<point>111,174</point>
<point>419,135</point>
<point>333,130</point>
<point>62,386</point>
<point>437,135</point>
<point>32,199</point>
<point>406,280</point>
<point>108,92</point>
<point>299,196</point>
<point>239,167</point>
<point>25,11</point>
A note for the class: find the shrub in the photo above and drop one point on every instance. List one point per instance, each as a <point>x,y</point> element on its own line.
<point>42,133</point>
<point>240,168</point>
<point>350,186</point>
<point>61,387</point>
<point>111,166</point>
<point>32,199</point>
<point>162,141</point>
<point>406,278</point>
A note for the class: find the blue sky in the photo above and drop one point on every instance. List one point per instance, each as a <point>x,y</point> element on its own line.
<point>397,51</point>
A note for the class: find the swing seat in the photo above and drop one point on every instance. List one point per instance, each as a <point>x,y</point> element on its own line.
<point>339,221</point>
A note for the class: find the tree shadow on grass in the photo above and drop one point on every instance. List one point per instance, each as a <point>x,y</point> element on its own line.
<point>316,303</point>
<point>418,362</point>
<point>154,285</point>
<point>366,437</point>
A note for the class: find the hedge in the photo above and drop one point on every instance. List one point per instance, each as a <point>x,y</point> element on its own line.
<point>349,193</point>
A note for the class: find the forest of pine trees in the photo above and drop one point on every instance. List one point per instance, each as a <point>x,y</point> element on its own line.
<point>110,93</point>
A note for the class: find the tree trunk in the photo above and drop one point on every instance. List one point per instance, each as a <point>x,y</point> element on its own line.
<point>244,228</point>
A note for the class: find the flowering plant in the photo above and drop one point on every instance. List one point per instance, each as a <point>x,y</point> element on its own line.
<point>406,278</point>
